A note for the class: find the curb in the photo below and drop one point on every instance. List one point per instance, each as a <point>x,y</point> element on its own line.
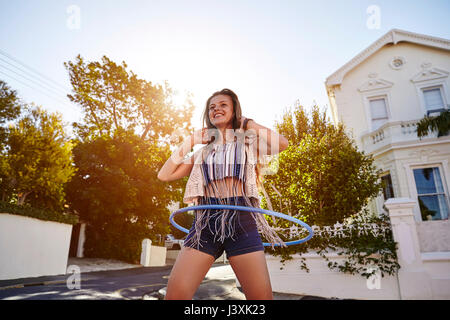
<point>33,284</point>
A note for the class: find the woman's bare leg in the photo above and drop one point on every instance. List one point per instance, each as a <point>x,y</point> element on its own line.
<point>188,272</point>
<point>253,275</point>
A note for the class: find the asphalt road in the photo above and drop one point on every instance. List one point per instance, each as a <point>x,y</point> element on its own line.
<point>101,285</point>
<point>143,283</point>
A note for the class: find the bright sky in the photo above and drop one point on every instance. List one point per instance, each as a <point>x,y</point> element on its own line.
<point>271,53</point>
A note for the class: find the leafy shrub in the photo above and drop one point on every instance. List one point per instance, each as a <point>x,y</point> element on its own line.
<point>38,213</point>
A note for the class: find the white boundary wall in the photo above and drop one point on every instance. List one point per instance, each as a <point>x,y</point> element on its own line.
<point>423,275</point>
<point>31,247</point>
<point>324,282</point>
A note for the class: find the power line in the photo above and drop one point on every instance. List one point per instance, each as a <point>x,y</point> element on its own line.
<point>30,68</point>
<point>37,83</point>
<point>35,77</point>
<point>54,98</point>
<point>50,87</point>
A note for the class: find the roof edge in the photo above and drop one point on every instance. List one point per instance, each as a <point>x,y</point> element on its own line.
<point>392,36</point>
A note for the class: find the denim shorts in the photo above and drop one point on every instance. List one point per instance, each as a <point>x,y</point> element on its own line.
<point>245,239</point>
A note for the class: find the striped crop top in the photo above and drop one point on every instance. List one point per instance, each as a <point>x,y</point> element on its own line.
<point>218,161</point>
<point>224,160</point>
<point>233,159</point>
<point>213,164</point>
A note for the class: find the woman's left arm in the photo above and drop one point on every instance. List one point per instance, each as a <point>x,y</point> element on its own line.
<point>275,141</point>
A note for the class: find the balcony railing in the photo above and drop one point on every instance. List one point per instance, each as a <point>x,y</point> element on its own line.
<point>391,133</point>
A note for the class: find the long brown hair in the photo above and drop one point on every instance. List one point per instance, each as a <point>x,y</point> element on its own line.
<point>236,108</point>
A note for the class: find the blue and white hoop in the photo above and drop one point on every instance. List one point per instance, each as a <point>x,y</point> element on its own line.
<point>248,209</point>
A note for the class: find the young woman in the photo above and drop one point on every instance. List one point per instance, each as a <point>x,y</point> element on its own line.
<point>225,171</point>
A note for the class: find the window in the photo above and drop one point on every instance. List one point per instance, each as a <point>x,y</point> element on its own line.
<point>431,195</point>
<point>378,112</point>
<point>433,100</point>
<point>388,190</point>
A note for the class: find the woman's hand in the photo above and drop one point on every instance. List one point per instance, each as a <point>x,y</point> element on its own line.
<point>241,123</point>
<point>200,136</point>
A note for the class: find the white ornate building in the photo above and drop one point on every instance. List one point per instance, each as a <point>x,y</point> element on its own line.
<point>380,95</point>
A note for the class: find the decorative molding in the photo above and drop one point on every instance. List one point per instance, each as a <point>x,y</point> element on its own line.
<point>393,36</point>
<point>428,74</point>
<point>397,63</point>
<point>400,204</point>
<point>375,84</point>
<point>425,65</point>
<point>385,163</point>
<point>423,154</point>
<point>428,78</point>
<point>331,93</point>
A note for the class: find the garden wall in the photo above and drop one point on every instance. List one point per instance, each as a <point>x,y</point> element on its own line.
<point>31,247</point>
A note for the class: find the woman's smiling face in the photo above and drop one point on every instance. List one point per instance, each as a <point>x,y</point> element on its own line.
<point>221,111</point>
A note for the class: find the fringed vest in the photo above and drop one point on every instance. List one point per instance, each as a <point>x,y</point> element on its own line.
<point>212,164</point>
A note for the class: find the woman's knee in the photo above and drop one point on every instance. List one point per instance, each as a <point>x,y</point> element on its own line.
<point>179,291</point>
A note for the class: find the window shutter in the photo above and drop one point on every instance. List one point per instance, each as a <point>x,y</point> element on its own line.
<point>378,109</point>
<point>378,112</point>
<point>433,99</point>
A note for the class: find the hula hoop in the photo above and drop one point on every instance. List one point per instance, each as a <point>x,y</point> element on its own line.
<point>248,209</point>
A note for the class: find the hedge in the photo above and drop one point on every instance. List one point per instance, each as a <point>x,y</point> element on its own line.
<point>42,214</point>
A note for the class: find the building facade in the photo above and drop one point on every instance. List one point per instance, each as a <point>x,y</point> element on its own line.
<point>380,95</point>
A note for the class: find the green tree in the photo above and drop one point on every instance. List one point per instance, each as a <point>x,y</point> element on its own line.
<point>116,191</point>
<point>39,159</point>
<point>10,109</point>
<point>121,145</point>
<point>439,123</point>
<point>115,99</point>
<point>322,178</point>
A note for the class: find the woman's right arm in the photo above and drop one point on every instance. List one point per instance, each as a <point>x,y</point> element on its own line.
<point>175,168</point>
